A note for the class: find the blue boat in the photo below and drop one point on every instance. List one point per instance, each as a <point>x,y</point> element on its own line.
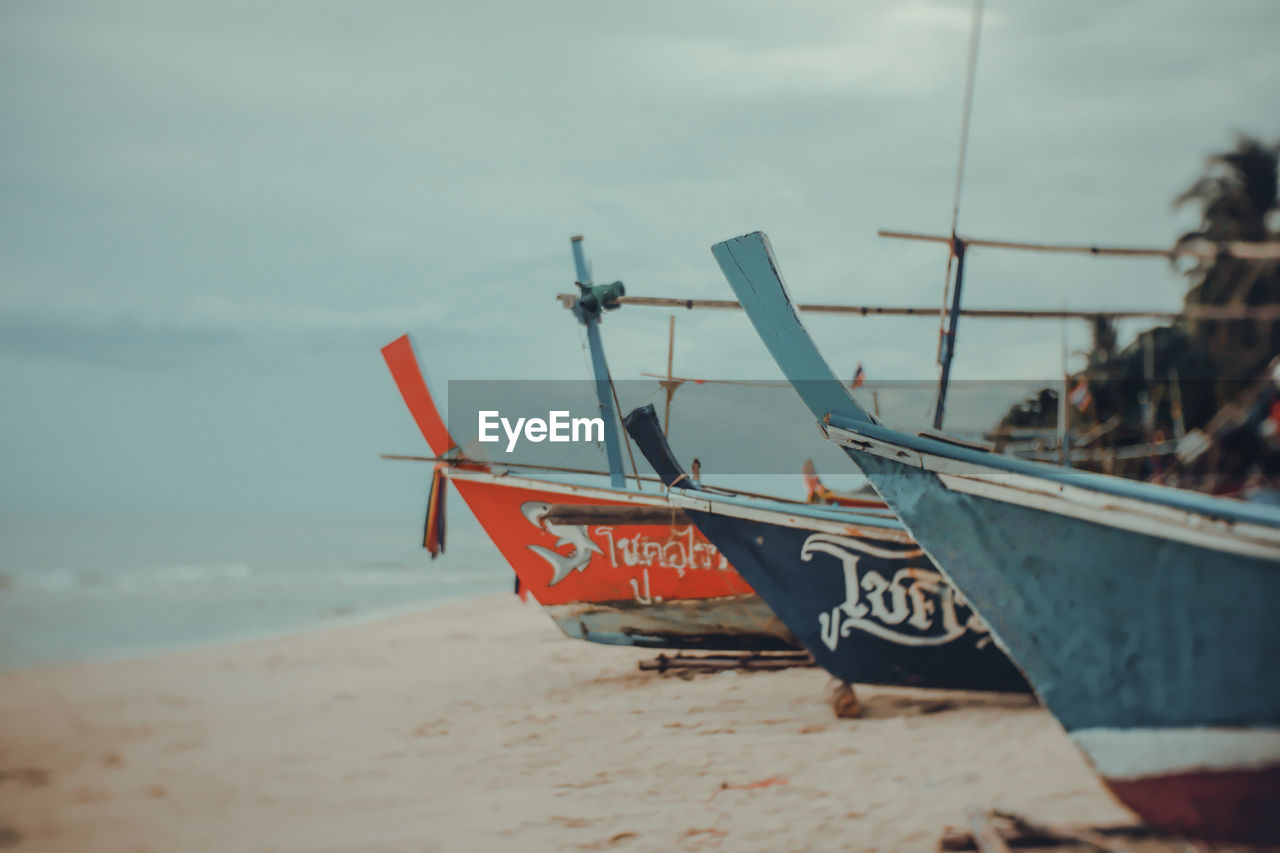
<point>1143,616</point>
<point>858,593</point>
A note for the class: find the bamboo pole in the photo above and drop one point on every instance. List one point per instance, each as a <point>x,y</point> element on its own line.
<point>1268,313</point>
<point>668,386</point>
<point>1203,249</point>
<point>481,465</point>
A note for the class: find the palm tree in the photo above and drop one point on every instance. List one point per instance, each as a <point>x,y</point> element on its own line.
<point>1212,360</point>
<point>1239,200</point>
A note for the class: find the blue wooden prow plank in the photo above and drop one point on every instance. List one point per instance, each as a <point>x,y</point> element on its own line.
<point>752,271</point>
<point>590,317</point>
<point>749,265</point>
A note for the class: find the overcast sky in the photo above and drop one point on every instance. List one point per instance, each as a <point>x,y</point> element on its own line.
<point>215,214</point>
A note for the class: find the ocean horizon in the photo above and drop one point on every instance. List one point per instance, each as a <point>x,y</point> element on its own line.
<point>108,585</point>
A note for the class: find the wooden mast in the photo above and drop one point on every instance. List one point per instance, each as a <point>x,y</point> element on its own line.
<point>669,385</point>
<point>949,317</point>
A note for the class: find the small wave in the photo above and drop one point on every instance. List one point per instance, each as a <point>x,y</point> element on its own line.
<point>394,565</point>
<point>200,573</point>
<point>406,577</point>
<point>61,579</point>
<point>227,574</point>
<point>49,580</point>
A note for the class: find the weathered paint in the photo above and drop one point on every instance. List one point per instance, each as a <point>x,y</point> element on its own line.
<point>1116,627</point>
<point>598,565</point>
<point>1228,526</point>
<point>1233,805</point>
<point>1133,753</point>
<point>732,623</point>
<point>866,603</point>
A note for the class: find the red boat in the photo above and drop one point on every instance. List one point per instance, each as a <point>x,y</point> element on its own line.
<point>644,578</point>
<point>866,498</point>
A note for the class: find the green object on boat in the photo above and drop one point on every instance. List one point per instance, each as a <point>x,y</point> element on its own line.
<point>601,297</point>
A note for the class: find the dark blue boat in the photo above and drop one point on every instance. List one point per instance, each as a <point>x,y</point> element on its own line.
<point>853,587</point>
<point>1143,616</point>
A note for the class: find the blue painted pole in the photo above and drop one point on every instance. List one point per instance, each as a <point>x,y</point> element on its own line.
<point>580,260</point>
<point>949,341</point>
<point>612,445</point>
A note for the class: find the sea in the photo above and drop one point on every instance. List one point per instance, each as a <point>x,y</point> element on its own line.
<point>115,585</point>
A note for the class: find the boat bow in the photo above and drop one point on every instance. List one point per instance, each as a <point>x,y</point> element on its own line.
<point>1142,615</point>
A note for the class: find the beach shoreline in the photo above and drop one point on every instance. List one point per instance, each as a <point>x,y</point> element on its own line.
<point>337,619</point>
<point>477,725</point>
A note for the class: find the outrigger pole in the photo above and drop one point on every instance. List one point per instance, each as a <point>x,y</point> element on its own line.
<point>1198,248</point>
<point>1198,312</point>
<point>1201,249</point>
<point>503,469</point>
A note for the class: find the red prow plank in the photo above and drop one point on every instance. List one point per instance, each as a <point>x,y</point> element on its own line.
<point>404,368</point>
<point>819,493</point>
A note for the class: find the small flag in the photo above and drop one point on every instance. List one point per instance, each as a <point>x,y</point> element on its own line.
<point>1080,396</point>
<point>812,483</point>
<point>433,528</point>
<point>1270,426</point>
<point>859,376</point>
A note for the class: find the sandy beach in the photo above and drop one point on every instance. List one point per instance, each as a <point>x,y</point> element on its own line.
<point>477,726</point>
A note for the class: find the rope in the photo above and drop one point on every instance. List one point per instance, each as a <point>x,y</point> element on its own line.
<point>582,341</point>
<point>967,110</point>
<point>586,363</point>
<point>504,466</point>
<point>625,437</point>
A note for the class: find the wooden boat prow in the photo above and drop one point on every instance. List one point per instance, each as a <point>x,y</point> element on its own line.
<point>854,589</point>
<point>1143,616</point>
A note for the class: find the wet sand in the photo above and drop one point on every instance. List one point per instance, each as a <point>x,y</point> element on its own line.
<point>478,726</point>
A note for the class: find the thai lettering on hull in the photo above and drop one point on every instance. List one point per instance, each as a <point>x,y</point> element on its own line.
<point>911,606</point>
<point>678,551</point>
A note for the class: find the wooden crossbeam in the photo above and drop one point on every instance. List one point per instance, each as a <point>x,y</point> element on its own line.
<point>1202,249</point>
<point>1267,313</point>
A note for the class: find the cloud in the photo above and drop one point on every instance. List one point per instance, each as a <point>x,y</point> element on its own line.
<point>120,343</point>
<point>886,52</point>
<point>185,338</point>
<point>207,188</point>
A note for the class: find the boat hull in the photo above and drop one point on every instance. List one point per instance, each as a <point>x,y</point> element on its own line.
<point>1144,617</point>
<point>609,583</point>
<point>1229,805</point>
<point>1124,633</point>
<point>732,623</point>
<point>868,609</point>
<point>654,585</point>
<point>858,593</point>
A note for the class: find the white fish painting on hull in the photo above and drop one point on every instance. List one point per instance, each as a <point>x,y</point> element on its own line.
<point>566,534</point>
